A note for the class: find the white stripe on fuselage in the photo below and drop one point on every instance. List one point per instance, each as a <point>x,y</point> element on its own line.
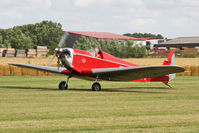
<point>105,60</point>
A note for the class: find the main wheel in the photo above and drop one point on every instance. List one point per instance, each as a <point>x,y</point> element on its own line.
<point>96,87</point>
<point>63,85</point>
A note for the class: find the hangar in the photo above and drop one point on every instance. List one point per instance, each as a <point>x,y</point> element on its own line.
<point>76,35</point>
<point>190,42</point>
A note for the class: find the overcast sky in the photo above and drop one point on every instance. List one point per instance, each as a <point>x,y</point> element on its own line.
<point>171,18</point>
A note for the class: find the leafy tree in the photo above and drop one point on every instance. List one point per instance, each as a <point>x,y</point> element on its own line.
<point>19,40</point>
<point>1,41</point>
<point>145,35</point>
<point>123,49</point>
<point>6,35</point>
<point>45,33</point>
<point>85,43</point>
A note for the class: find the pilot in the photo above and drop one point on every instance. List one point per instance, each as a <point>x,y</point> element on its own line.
<point>97,53</point>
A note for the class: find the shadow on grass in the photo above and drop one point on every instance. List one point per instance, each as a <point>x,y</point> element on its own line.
<point>27,88</point>
<point>124,89</point>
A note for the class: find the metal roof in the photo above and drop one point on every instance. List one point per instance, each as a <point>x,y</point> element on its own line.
<point>180,42</point>
<point>103,35</point>
<point>183,40</point>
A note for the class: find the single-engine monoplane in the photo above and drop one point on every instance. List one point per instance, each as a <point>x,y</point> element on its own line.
<point>98,65</point>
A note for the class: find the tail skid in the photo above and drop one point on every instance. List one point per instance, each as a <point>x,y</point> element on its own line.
<point>167,84</point>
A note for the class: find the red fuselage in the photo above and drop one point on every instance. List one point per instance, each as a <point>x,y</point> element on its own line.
<point>84,61</point>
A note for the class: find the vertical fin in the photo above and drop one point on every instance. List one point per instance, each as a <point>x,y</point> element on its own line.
<point>171,58</point>
<point>170,61</point>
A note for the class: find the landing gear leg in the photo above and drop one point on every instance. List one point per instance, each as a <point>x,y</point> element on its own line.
<point>63,85</point>
<point>96,86</point>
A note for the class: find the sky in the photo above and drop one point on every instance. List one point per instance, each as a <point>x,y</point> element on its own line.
<point>171,18</point>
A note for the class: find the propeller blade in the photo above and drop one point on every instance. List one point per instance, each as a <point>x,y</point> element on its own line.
<point>64,37</point>
<point>61,42</point>
<point>52,59</point>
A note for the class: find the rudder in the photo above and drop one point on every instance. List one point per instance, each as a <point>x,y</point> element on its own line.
<point>171,62</point>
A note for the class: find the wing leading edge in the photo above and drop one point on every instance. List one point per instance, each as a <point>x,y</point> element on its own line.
<point>140,72</point>
<point>38,67</point>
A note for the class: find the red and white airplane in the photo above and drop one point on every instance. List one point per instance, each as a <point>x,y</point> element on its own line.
<point>98,65</point>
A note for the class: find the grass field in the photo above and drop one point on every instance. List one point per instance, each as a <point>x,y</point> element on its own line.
<point>34,104</point>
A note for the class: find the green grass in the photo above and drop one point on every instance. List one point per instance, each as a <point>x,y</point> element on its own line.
<point>34,104</point>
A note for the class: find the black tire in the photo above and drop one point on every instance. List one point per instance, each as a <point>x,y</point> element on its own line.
<point>96,87</point>
<point>63,85</point>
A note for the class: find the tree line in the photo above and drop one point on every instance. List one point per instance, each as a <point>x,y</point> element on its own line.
<point>145,35</point>
<point>48,33</point>
<point>45,33</point>
<point>122,49</point>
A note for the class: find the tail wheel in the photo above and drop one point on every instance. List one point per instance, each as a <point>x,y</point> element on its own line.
<point>63,85</point>
<point>96,87</point>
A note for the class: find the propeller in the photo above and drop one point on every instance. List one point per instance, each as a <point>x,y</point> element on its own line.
<point>57,50</point>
